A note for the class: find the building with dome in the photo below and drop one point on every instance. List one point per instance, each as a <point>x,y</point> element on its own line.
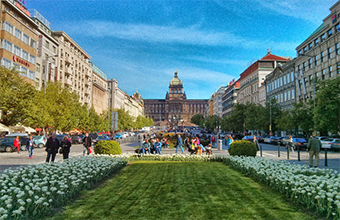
<point>175,109</point>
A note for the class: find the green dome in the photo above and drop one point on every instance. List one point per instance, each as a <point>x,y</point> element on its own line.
<point>175,81</point>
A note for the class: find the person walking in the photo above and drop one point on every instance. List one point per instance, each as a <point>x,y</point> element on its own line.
<point>65,146</point>
<point>16,144</point>
<point>229,141</point>
<point>187,143</point>
<point>87,142</point>
<point>146,147</point>
<point>314,147</point>
<point>30,146</point>
<point>290,143</point>
<point>179,144</point>
<point>213,140</point>
<point>52,146</point>
<point>157,147</point>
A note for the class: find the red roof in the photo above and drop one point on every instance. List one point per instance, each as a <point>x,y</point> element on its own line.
<point>274,57</point>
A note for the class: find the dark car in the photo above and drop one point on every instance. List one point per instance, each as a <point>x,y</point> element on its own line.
<point>23,142</point>
<point>7,144</point>
<point>276,141</point>
<point>301,142</point>
<point>238,136</point>
<point>260,138</point>
<point>101,138</point>
<point>60,137</point>
<point>93,136</point>
<point>77,139</point>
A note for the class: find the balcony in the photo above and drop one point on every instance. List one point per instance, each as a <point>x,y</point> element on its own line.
<point>68,70</point>
<point>87,73</point>
<point>87,83</point>
<point>68,82</point>
<point>68,60</point>
<point>98,85</point>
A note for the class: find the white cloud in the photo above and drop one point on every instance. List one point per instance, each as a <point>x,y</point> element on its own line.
<point>312,10</point>
<point>192,35</point>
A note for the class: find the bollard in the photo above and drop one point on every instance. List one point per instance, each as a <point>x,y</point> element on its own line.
<point>287,152</point>
<point>326,164</point>
<point>278,152</point>
<point>260,150</point>
<point>298,153</point>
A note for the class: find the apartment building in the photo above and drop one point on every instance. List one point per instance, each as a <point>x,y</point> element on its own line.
<point>229,98</point>
<point>134,105</point>
<point>75,70</point>
<point>18,39</point>
<point>47,52</point>
<point>280,84</point>
<point>116,95</point>
<point>100,94</point>
<point>217,101</point>
<point>318,56</point>
<point>253,77</point>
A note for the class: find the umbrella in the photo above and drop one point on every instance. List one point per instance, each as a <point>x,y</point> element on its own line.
<point>4,128</point>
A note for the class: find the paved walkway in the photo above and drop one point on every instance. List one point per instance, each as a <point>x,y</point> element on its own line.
<point>269,151</point>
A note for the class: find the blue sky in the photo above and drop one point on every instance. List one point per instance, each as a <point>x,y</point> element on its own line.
<point>142,43</point>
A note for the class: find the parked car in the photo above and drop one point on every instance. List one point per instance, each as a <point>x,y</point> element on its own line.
<point>7,144</point>
<point>269,139</point>
<point>238,136</point>
<point>101,138</point>
<point>327,143</point>
<point>76,139</point>
<point>276,141</point>
<point>248,138</point>
<point>93,136</point>
<point>260,138</point>
<point>301,142</point>
<point>40,141</point>
<point>336,144</point>
<point>23,141</point>
<point>118,136</point>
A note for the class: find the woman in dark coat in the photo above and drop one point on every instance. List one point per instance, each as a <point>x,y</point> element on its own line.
<point>65,146</point>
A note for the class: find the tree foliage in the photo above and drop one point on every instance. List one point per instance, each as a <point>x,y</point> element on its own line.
<point>198,119</point>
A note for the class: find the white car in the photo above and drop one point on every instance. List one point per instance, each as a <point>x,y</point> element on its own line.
<point>327,143</point>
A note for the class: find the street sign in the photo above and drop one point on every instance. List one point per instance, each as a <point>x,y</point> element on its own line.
<point>114,121</point>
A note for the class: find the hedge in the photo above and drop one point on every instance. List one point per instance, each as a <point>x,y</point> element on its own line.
<point>107,147</point>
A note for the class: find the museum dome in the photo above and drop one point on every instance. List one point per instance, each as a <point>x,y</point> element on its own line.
<point>175,81</point>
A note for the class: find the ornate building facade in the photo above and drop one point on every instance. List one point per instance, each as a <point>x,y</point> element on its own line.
<point>175,109</point>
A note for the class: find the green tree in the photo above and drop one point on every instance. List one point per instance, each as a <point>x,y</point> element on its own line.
<point>302,116</point>
<point>327,111</point>
<point>286,123</point>
<point>198,119</point>
<point>272,111</point>
<point>236,121</point>
<point>16,99</point>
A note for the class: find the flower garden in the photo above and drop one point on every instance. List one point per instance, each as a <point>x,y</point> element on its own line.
<point>32,192</point>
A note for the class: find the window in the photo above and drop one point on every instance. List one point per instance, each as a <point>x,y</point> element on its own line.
<point>330,71</point>
<point>54,49</point>
<point>337,48</point>
<point>300,52</point>
<point>310,78</point>
<point>281,97</point>
<point>16,67</point>
<point>33,43</point>
<point>18,34</point>
<point>310,45</point>
<point>305,80</point>
<point>25,39</point>
<point>310,63</point>
<point>8,27</point>
<point>338,68</point>
<point>285,96</point>
<point>32,59</point>
<point>24,55</point>
<point>316,60</point>
<point>23,71</point>
<point>337,28</point>
<point>304,66</point>
<point>293,93</point>
<point>323,73</point>
<point>322,56</point>
<point>292,75</point>
<point>316,42</point>
<point>38,67</point>
<point>305,49</point>
<point>299,68</point>
<point>288,78</point>
<point>8,45</point>
<point>6,63</point>
<point>17,51</point>
<point>31,75</point>
<point>329,53</point>
<point>316,75</point>
<point>267,88</point>
<point>329,32</point>
<point>47,44</point>
<point>323,38</point>
<point>284,80</point>
<point>288,97</point>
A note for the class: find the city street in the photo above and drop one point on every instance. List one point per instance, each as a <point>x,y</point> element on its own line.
<point>269,151</point>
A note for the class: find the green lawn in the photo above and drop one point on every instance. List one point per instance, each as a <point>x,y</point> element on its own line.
<point>181,190</point>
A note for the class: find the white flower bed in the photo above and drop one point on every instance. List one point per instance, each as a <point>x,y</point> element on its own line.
<point>32,191</point>
<point>164,157</point>
<point>318,189</point>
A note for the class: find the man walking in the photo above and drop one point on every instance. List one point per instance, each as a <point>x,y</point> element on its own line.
<point>314,147</point>
<point>87,142</point>
<point>179,144</point>
<point>52,146</point>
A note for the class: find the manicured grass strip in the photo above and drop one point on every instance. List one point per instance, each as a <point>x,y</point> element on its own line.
<point>181,190</point>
